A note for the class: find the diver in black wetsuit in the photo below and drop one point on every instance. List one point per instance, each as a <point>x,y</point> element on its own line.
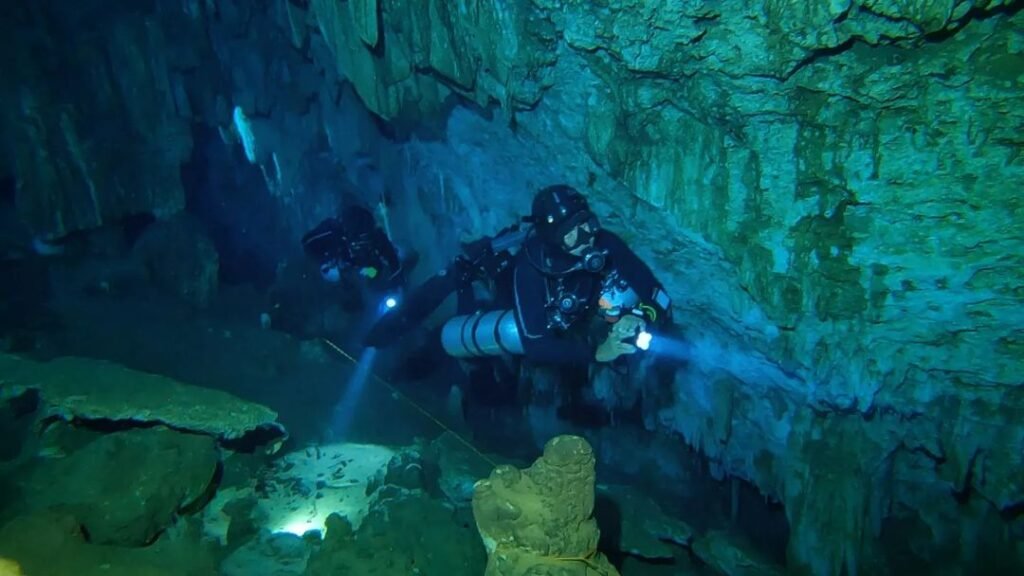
<point>354,245</point>
<point>570,271</point>
<point>550,282</point>
<point>564,293</point>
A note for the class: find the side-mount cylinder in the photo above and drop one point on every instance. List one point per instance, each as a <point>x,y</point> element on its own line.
<point>482,334</point>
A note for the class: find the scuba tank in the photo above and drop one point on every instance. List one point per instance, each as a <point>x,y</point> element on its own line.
<point>482,334</point>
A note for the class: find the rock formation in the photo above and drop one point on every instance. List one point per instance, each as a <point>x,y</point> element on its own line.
<point>87,389</point>
<point>539,520</point>
<point>126,488</point>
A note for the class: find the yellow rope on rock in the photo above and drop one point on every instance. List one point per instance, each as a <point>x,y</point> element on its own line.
<point>587,559</point>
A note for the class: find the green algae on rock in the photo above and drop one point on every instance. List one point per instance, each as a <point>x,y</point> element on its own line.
<point>540,520</point>
<point>127,487</point>
<point>87,389</point>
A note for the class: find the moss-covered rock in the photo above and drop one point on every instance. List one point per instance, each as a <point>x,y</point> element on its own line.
<point>88,389</point>
<point>49,544</point>
<point>539,520</point>
<point>404,533</point>
<point>127,487</point>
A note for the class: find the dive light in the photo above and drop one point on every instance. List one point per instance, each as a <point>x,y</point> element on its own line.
<point>643,340</point>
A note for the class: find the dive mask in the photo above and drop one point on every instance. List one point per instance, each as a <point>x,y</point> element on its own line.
<point>586,226</point>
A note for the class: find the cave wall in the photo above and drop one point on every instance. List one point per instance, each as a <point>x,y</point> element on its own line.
<point>95,129</point>
<point>830,191</point>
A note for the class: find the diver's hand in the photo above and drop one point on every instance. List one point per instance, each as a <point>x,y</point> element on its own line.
<point>613,346</point>
<point>628,325</point>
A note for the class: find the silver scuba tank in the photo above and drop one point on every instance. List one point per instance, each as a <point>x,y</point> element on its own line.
<point>482,334</point>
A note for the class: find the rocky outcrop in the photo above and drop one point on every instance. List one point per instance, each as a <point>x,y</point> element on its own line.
<point>83,390</point>
<point>405,58</point>
<point>404,533</point>
<point>637,524</point>
<point>127,487</point>
<point>720,551</point>
<point>539,520</point>
<point>95,125</point>
<point>51,544</point>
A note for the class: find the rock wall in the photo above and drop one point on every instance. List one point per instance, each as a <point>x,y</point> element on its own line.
<point>830,191</point>
<point>95,126</point>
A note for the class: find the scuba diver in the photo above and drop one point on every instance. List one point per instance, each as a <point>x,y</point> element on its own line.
<point>354,245</point>
<point>549,282</point>
<point>571,270</point>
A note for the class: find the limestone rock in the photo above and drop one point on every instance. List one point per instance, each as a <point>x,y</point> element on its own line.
<point>86,389</point>
<point>643,529</point>
<point>269,555</point>
<point>830,192</point>
<point>181,259</point>
<point>49,544</point>
<point>458,467</point>
<point>731,557</point>
<point>482,50</point>
<point>125,488</point>
<point>92,130</point>
<point>539,520</point>
<point>404,533</point>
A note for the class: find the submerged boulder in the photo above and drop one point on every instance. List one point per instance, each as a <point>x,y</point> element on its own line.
<point>404,533</point>
<point>51,544</point>
<point>127,487</point>
<point>458,466</point>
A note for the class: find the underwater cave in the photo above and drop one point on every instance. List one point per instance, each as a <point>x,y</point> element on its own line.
<point>512,287</point>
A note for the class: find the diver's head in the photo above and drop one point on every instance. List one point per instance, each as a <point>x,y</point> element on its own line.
<point>563,220</point>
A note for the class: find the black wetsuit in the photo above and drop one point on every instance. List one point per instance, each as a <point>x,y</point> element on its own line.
<point>356,242</point>
<point>479,263</point>
<point>534,291</point>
